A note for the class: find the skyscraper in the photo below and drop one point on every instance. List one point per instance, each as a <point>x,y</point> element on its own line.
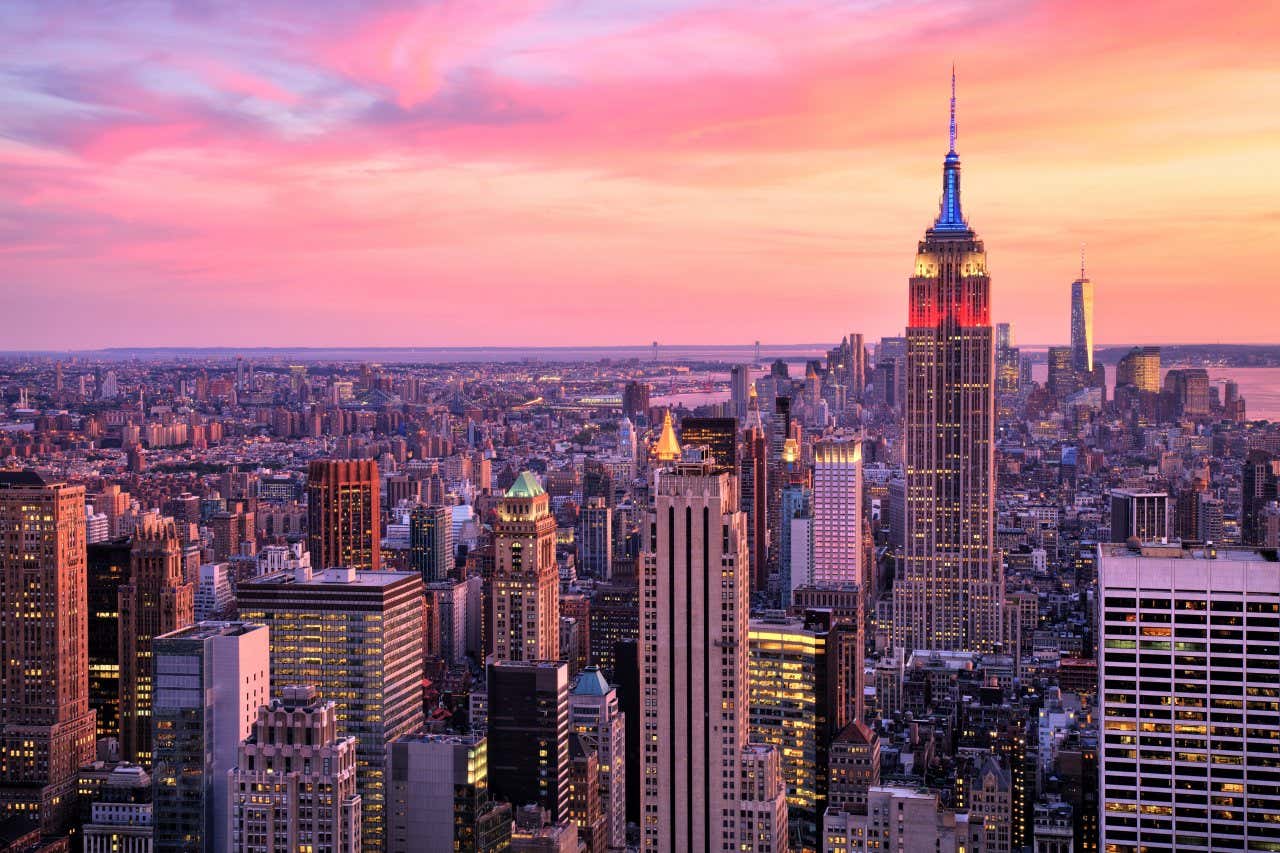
<point>294,785</point>
<point>156,600</point>
<point>951,587</point>
<point>431,542</point>
<point>526,581</point>
<point>595,539</point>
<point>597,719</point>
<point>439,797</point>
<point>108,570</point>
<point>837,513</point>
<point>356,637</point>
<point>1082,323</point>
<point>1259,486</point>
<point>718,435</point>
<point>210,679</point>
<point>1188,662</point>
<point>1140,367</point>
<point>344,524</point>
<point>739,385</point>
<point>46,725</point>
<point>529,734</point>
<point>694,638</point>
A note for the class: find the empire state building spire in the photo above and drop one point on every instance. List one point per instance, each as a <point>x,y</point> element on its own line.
<point>950,216</point>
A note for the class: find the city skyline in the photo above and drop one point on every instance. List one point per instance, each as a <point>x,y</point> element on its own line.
<point>621,157</point>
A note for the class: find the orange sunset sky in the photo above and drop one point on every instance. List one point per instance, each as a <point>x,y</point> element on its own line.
<point>594,172</point>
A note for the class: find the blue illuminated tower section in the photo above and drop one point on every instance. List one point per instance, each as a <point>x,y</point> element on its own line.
<point>950,591</point>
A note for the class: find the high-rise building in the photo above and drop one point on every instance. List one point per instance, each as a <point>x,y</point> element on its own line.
<point>1063,378</point>
<point>1140,367</point>
<point>446,604</point>
<point>837,513</point>
<point>431,551</point>
<point>1082,323</point>
<point>1144,516</point>
<point>1259,486</point>
<point>801,674</point>
<point>595,540</point>
<point>596,718</point>
<point>635,401</point>
<point>754,482</point>
<point>739,385</point>
<point>294,784</point>
<point>951,586</point>
<point>584,796</point>
<point>694,637</point>
<point>214,597</point>
<point>156,600</point>
<point>438,797</point>
<point>526,580</point>
<point>1188,663</point>
<point>718,435</point>
<point>210,680</point>
<point>46,724</point>
<point>529,734</point>
<point>108,569</point>
<point>357,638</point>
<point>344,523</point>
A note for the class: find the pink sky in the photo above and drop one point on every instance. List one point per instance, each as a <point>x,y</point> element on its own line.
<point>530,172</point>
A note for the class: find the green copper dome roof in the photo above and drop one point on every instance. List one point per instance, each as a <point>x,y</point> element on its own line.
<point>525,486</point>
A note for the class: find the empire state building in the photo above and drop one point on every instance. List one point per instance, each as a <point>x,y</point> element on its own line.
<point>949,594</point>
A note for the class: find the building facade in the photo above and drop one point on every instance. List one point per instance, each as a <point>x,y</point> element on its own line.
<point>694,649</point>
<point>318,623</point>
<point>344,514</point>
<point>210,680</point>
<point>951,586</point>
<point>46,724</point>
<point>526,580</point>
<point>1189,663</point>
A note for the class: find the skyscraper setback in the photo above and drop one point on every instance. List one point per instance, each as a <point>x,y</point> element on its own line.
<point>951,588</point>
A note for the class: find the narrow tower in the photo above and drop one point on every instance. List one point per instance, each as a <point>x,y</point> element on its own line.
<point>950,591</point>
<point>1082,322</point>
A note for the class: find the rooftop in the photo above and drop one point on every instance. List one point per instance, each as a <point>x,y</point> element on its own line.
<point>525,486</point>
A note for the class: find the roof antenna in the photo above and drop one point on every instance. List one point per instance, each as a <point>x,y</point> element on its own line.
<point>1082,261</point>
<point>953,107</point>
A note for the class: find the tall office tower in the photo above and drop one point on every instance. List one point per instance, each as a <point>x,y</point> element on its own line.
<point>529,734</point>
<point>795,540</point>
<point>438,797</point>
<point>597,719</point>
<point>595,540</point>
<point>754,482</point>
<point>1259,485</point>
<point>294,783</point>
<point>951,587</point>
<point>801,672</point>
<point>1063,380</point>
<point>526,581</point>
<point>584,796</point>
<point>108,564</point>
<point>1082,323</point>
<point>315,624</point>
<point>718,435</point>
<point>837,513</point>
<point>1008,361</point>
<point>431,551</point>
<point>344,523</point>
<point>1144,516</point>
<point>1187,662</point>
<point>635,401</point>
<point>214,598</point>
<point>694,637</point>
<point>210,681</point>
<point>857,380</point>
<point>1140,367</point>
<point>739,385</point>
<point>46,724</point>
<point>446,604</point>
<point>156,600</point>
